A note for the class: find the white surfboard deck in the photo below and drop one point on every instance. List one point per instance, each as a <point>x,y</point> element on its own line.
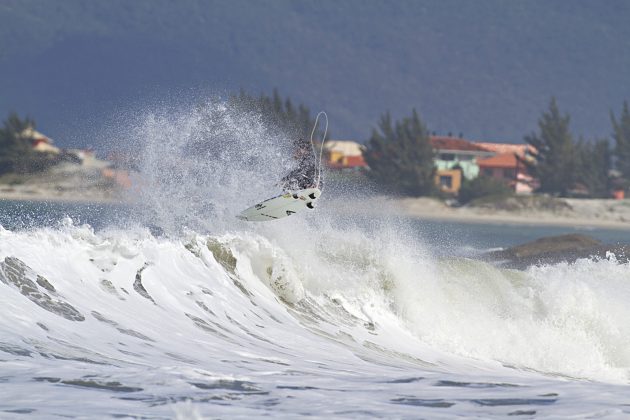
<point>281,206</point>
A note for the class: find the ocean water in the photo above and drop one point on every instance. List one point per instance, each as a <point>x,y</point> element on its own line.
<point>172,308</point>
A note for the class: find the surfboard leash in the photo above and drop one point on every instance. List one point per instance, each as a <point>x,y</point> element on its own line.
<point>321,150</point>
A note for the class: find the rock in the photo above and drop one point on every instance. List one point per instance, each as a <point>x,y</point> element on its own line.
<point>556,249</point>
<point>552,244</point>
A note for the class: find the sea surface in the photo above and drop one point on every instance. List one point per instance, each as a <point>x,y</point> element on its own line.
<point>173,308</point>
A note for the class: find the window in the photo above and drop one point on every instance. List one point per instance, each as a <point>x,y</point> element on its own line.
<point>446,181</point>
<point>509,173</point>
<point>447,156</point>
<point>487,171</point>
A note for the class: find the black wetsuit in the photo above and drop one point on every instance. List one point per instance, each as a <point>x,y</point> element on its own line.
<point>303,176</point>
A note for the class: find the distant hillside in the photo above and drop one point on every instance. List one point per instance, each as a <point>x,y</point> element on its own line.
<point>484,68</point>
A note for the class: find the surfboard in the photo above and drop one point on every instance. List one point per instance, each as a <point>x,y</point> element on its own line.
<point>281,206</point>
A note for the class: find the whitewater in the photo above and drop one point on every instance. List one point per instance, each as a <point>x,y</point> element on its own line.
<point>176,309</point>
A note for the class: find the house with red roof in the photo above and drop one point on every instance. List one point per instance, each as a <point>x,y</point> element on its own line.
<point>456,158</point>
<point>344,154</point>
<point>40,142</point>
<point>507,165</point>
<point>453,152</point>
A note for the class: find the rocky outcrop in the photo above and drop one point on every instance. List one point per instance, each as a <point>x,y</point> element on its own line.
<point>556,249</point>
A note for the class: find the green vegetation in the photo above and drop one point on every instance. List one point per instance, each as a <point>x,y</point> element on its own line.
<point>400,156</point>
<point>401,159</point>
<point>594,163</point>
<point>481,187</point>
<point>563,166</point>
<point>280,113</point>
<point>16,148</point>
<point>621,135</point>
<point>554,163</point>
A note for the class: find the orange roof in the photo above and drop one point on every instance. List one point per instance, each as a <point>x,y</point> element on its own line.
<point>503,160</point>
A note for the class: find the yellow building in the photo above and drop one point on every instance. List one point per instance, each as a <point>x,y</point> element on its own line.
<point>341,154</point>
<point>448,180</point>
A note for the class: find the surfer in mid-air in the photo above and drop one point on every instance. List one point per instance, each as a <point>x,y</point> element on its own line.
<point>301,186</point>
<point>305,173</point>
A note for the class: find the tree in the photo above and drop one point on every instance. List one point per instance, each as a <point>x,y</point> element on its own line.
<point>400,156</point>
<point>279,113</point>
<point>554,159</point>
<point>594,165</point>
<point>621,135</point>
<point>16,148</point>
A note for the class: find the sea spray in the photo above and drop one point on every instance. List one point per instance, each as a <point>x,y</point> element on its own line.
<point>567,319</point>
<point>196,167</point>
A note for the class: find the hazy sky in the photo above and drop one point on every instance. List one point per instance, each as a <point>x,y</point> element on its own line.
<point>486,69</point>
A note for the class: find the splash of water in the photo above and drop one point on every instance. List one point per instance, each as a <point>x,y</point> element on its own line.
<point>199,167</point>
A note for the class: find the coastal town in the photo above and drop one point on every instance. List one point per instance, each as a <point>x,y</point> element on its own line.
<point>456,159</point>
<point>70,175</point>
<point>460,179</point>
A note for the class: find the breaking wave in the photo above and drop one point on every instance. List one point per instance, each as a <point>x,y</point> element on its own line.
<point>314,314</point>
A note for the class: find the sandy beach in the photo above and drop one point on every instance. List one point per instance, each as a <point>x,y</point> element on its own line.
<point>595,213</point>
<point>45,194</point>
<point>63,183</point>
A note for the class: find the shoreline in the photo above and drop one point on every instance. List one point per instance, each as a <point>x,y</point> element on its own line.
<point>422,208</point>
<point>64,183</point>
<point>583,213</point>
<point>521,220</point>
<point>44,198</point>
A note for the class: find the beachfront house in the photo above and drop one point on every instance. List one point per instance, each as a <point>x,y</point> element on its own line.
<point>344,154</point>
<point>449,180</point>
<point>456,158</point>
<point>40,142</point>
<point>507,165</point>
